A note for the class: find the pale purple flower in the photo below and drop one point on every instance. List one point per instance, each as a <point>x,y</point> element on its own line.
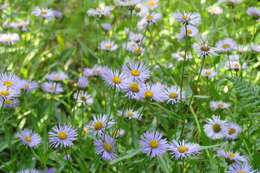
<point>83,97</point>
<point>148,20</point>
<point>174,95</point>
<point>191,31</point>
<point>82,82</point>
<point>219,105</point>
<point>57,76</point>
<point>115,79</point>
<point>21,25</point>
<point>232,156</point>
<point>233,130</point>
<point>108,45</point>
<point>27,86</point>
<point>151,4</point>
<point>179,56</point>
<point>62,136</point>
<point>9,80</point>
<point>106,26</point>
<point>215,10</point>
<point>226,45</point>
<point>208,73</point>
<point>204,50</point>
<point>187,18</point>
<point>131,114</point>
<point>29,171</point>
<point>215,128</point>
<point>253,11</point>
<point>52,87</point>
<point>99,124</point>
<point>240,168</point>
<point>127,2</point>
<point>136,71</point>
<point>181,149</point>
<point>9,38</point>
<point>153,144</point>
<point>105,146</point>
<point>100,11</point>
<point>133,89</point>
<point>44,13</point>
<point>29,138</point>
<point>9,102</point>
<point>154,92</point>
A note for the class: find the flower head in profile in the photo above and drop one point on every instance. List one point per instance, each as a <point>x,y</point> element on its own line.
<point>253,11</point>
<point>174,95</point>
<point>105,146</point>
<point>226,45</point>
<point>180,56</point>
<point>27,86</point>
<point>9,38</point>
<point>108,45</point>
<point>100,11</point>
<point>188,31</point>
<point>83,98</point>
<point>62,136</point>
<point>57,76</point>
<point>208,73</point>
<point>82,82</point>
<point>153,144</point>
<point>148,19</point>
<point>240,168</point>
<point>127,2</point>
<point>187,18</point>
<point>215,10</point>
<point>44,13</point>
<point>215,128</point>
<point>137,71</point>
<point>99,123</point>
<point>233,130</point>
<point>52,87</point>
<point>219,105</point>
<point>28,171</point>
<point>29,138</point>
<point>130,114</point>
<point>181,149</point>
<point>231,156</point>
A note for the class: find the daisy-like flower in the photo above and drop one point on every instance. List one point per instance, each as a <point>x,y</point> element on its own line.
<point>29,138</point>
<point>134,47</point>
<point>52,87</point>
<point>154,92</point>
<point>106,147</point>
<point>233,130</point>
<point>240,168</point>
<point>253,11</point>
<point>148,20</point>
<point>99,124</point>
<point>9,80</point>
<point>106,26</point>
<point>208,73</point>
<point>57,13</point>
<point>9,38</point>
<point>151,4</point>
<point>255,47</point>
<point>231,2</point>
<point>188,31</point>
<point>44,13</point>
<point>115,79</point>
<point>6,92</point>
<point>231,156</point>
<point>215,10</point>
<point>153,144</point>
<point>235,65</point>
<point>215,105</point>
<point>136,71</point>
<point>133,89</point>
<point>127,2</point>
<point>204,50</point>
<point>179,56</point>
<point>131,114</point>
<point>9,102</point>
<point>135,37</point>
<point>29,171</point>
<point>82,82</point>
<point>101,11</point>
<point>57,76</point>
<point>62,136</point>
<point>108,45</point>
<point>174,95</point>
<point>187,18</point>
<point>215,128</point>
<point>83,98</point>
<point>118,133</point>
<point>21,25</point>
<point>181,149</point>
<point>27,86</point>
<point>141,9</point>
<point>226,45</point>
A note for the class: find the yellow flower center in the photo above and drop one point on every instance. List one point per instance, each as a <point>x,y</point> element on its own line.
<point>149,17</point>
<point>231,131</point>
<point>184,17</point>
<point>225,46</point>
<point>108,46</point>
<point>138,50</point>
<point>151,3</point>
<point>8,102</point>
<point>216,128</point>
<point>148,94</point>
<point>154,144</point>
<point>8,83</point>
<point>85,130</point>
<point>98,125</point>
<point>205,48</point>
<point>231,156</point>
<point>237,66</point>
<point>116,80</point>
<point>28,139</point>
<point>44,12</point>
<point>4,93</point>
<point>130,113</point>
<point>183,149</point>
<point>108,147</point>
<point>221,106</point>
<point>135,73</point>
<point>189,32</point>
<point>173,95</point>
<point>208,73</point>
<point>134,87</point>
<point>62,135</point>
<point>241,171</point>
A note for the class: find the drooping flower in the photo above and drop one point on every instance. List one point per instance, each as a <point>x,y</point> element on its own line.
<point>52,87</point>
<point>83,97</point>
<point>153,144</point>
<point>181,149</point>
<point>27,86</point>
<point>148,19</point>
<point>44,13</point>
<point>106,147</point>
<point>100,11</point>
<point>62,136</point>
<point>57,76</point>
<point>21,25</point>
<point>215,128</point>
<point>29,138</point>
<point>188,31</point>
<point>180,56</point>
